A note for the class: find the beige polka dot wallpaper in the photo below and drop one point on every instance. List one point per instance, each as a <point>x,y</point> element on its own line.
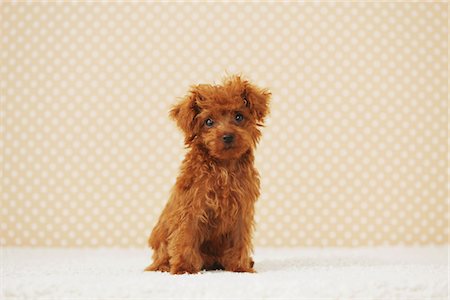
<point>354,152</point>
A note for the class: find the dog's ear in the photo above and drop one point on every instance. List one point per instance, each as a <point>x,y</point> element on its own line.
<point>257,100</point>
<point>184,114</point>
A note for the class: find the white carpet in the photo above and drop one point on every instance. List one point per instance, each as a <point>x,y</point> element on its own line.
<point>376,273</point>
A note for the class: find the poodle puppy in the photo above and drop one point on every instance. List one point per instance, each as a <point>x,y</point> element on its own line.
<point>208,221</point>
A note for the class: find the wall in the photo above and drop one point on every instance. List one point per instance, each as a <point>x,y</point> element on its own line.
<point>353,154</point>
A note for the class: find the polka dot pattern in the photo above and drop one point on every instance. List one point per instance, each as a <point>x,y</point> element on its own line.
<point>355,151</point>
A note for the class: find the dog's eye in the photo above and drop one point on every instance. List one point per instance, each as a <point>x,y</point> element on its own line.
<point>209,122</point>
<point>239,117</point>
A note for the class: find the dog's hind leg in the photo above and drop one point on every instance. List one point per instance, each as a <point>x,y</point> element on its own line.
<point>160,259</point>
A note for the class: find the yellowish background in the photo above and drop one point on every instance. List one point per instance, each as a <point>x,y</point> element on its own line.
<point>354,152</point>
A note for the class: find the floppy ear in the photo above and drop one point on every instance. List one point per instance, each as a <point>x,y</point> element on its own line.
<point>257,100</point>
<point>184,114</point>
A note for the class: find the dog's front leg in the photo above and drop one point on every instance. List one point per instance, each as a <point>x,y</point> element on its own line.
<point>237,257</point>
<point>184,248</point>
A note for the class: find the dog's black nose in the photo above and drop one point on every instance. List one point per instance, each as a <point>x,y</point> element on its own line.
<point>228,138</point>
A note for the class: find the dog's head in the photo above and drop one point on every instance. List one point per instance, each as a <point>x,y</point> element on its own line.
<point>223,119</point>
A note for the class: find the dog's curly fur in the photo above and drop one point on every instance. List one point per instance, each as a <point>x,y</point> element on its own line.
<point>208,220</point>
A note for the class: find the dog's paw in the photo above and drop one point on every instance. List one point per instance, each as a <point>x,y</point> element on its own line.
<point>183,269</point>
<point>243,270</point>
<point>160,268</point>
<point>180,271</point>
<point>240,268</point>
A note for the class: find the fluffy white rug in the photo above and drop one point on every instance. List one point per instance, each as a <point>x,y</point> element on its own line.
<point>375,273</point>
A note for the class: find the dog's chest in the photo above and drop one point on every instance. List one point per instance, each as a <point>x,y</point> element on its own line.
<point>224,196</point>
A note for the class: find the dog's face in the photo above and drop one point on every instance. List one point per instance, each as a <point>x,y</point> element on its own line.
<point>223,119</point>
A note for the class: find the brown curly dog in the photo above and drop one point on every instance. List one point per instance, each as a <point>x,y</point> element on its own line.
<point>208,220</point>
